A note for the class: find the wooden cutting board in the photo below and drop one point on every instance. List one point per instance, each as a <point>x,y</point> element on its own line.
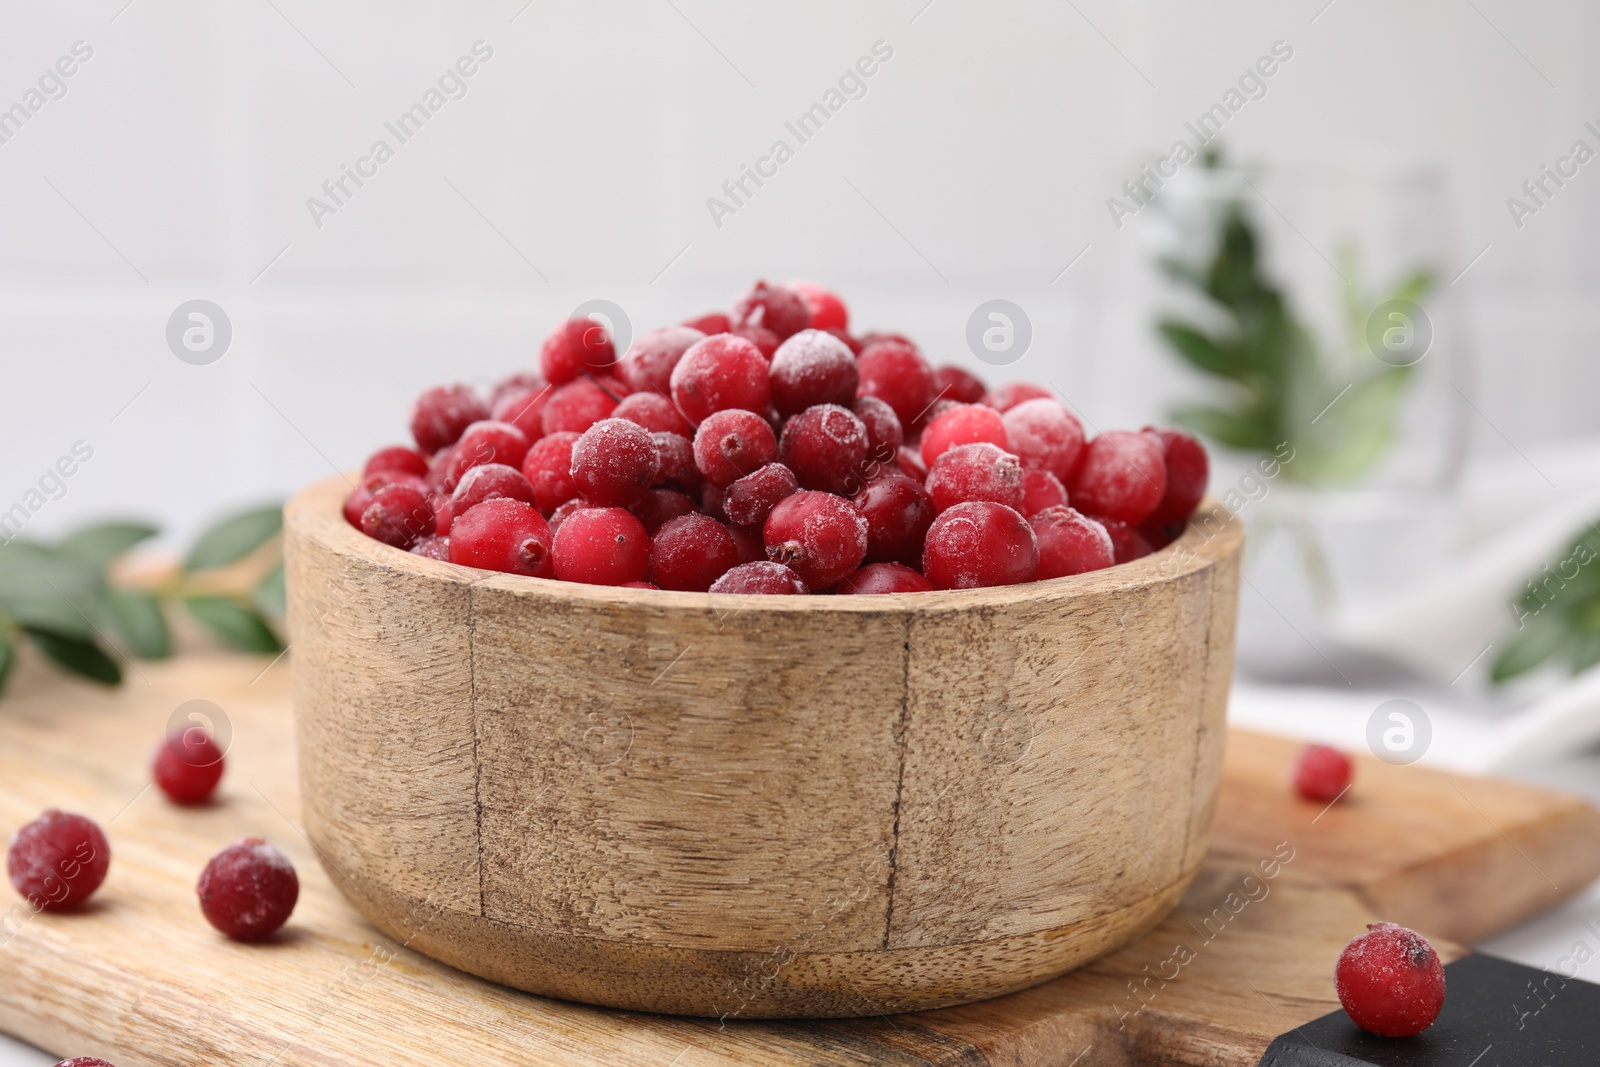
<point>140,979</point>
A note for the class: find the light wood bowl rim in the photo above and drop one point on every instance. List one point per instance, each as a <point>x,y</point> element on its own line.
<point>1195,550</point>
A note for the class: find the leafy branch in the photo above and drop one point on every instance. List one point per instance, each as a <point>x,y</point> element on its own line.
<point>62,598</point>
<point>1278,384</point>
<point>1558,614</point>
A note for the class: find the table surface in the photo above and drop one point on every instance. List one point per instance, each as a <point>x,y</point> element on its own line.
<point>1540,942</point>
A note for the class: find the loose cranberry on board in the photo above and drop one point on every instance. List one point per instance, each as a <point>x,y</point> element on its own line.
<point>1390,981</point>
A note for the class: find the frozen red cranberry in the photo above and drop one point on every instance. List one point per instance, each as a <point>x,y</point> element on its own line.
<point>83,1061</point>
<point>489,481</point>
<point>878,578</point>
<point>57,861</point>
<point>444,513</point>
<point>884,432</point>
<point>442,413</point>
<point>827,310</point>
<point>894,372</point>
<point>435,547</point>
<point>397,458</point>
<point>844,335</point>
<point>765,340</point>
<point>710,323</point>
<point>962,424</point>
<point>772,307</point>
<point>820,535</point>
<point>360,498</point>
<point>502,535</point>
<point>1127,543</point>
<point>576,406</point>
<point>975,472</point>
<point>677,469</point>
<point>1390,981</point>
<point>398,515</point>
<point>1187,472</point>
<point>748,500</point>
<point>760,578</point>
<point>1122,475</point>
<point>931,412</point>
<point>720,372</point>
<point>559,515</point>
<point>812,368</point>
<point>1322,773</point>
<point>824,446</point>
<point>909,460</point>
<point>601,546</point>
<point>520,382</point>
<point>614,462</point>
<point>524,409</point>
<point>691,552</point>
<point>898,514</point>
<point>1044,434</point>
<point>731,444</point>
<point>654,412</point>
<point>1040,490</point>
<point>647,365</point>
<point>441,477</point>
<point>1008,396</point>
<point>660,506</point>
<point>548,469</point>
<point>187,766</point>
<point>979,543</point>
<point>711,497</point>
<point>747,541</point>
<point>248,890</point>
<point>487,442</point>
<point>1070,542</point>
<point>574,347</point>
<point>953,383</point>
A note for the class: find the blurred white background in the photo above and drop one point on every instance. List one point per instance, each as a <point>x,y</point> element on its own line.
<point>578,164</point>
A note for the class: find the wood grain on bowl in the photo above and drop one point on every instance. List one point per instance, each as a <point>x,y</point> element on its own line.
<point>758,806</point>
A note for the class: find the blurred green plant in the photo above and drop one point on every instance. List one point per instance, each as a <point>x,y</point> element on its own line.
<point>1558,614</point>
<point>61,597</point>
<point>1280,383</point>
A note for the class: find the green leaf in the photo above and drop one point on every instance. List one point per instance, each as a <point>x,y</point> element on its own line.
<point>1414,288</point>
<point>1199,349</point>
<point>98,545</point>
<point>234,538</point>
<point>8,657</point>
<point>137,616</point>
<point>238,626</point>
<point>78,656</point>
<point>1531,647</point>
<point>271,595</point>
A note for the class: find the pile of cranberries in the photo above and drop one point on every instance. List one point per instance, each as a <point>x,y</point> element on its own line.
<point>770,450</point>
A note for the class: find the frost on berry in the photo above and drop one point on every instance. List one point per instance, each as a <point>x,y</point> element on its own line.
<point>1122,475</point>
<point>819,535</point>
<point>760,578</point>
<point>962,424</point>
<point>691,552</point>
<point>720,372</point>
<point>1070,542</point>
<point>442,413</point>
<point>57,861</point>
<point>248,890</point>
<point>1045,435</point>
<point>731,444</point>
<point>614,462</point>
<point>647,365</point>
<point>1390,981</point>
<point>774,308</point>
<point>824,446</point>
<point>748,500</point>
<point>810,368</point>
<point>979,471</point>
<point>979,543</point>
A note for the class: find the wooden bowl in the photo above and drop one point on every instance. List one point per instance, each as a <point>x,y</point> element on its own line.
<point>757,806</point>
